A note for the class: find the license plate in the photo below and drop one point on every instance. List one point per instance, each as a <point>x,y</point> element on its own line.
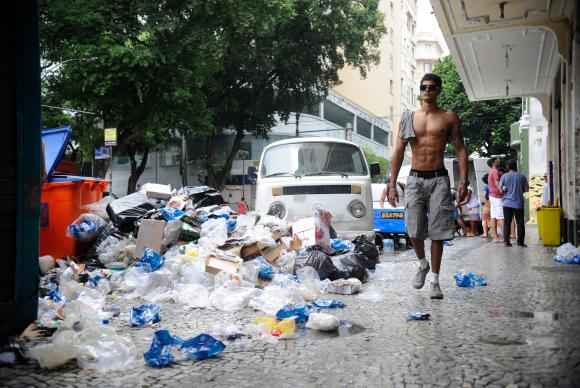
<point>397,215</point>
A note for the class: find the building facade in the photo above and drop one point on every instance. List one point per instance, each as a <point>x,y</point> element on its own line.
<point>389,87</point>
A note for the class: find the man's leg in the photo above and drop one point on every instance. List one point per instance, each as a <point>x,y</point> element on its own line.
<point>494,229</point>
<point>521,226</point>
<point>436,254</point>
<point>507,223</point>
<point>416,223</point>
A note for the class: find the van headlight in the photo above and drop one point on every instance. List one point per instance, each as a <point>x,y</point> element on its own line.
<point>277,209</point>
<point>357,208</point>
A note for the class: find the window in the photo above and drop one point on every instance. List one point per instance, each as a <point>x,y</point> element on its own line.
<point>391,86</point>
<point>363,127</point>
<point>380,136</point>
<point>336,114</point>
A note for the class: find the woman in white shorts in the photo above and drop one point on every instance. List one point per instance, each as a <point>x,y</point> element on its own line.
<point>471,212</point>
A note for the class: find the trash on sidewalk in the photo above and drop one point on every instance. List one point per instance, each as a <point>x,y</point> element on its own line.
<point>150,261</point>
<point>418,316</point>
<point>322,322</point>
<point>469,279</point>
<point>165,347</point>
<point>567,254</point>
<point>328,304</point>
<point>86,227</point>
<point>150,236</point>
<point>157,191</point>
<point>145,314</point>
<point>344,286</point>
<point>278,328</point>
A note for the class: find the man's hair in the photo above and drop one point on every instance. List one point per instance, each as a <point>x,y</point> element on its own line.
<point>432,77</point>
<point>512,165</point>
<point>490,162</point>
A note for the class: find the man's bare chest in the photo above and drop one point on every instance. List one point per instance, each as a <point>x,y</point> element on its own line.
<point>431,127</point>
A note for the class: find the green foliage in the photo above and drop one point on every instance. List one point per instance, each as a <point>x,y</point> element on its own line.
<point>152,69</point>
<point>374,158</point>
<point>485,124</point>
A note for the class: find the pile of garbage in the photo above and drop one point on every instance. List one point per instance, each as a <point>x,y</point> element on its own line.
<point>187,247</point>
<point>567,254</point>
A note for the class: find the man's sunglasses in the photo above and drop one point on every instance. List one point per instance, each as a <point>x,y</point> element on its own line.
<point>428,87</point>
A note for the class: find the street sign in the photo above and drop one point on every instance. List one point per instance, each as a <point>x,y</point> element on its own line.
<point>102,153</point>
<point>110,137</point>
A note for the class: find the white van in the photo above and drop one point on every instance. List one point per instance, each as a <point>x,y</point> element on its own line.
<point>296,175</point>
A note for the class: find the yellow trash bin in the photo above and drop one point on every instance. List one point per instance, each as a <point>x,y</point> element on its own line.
<point>549,225</point>
<point>539,216</point>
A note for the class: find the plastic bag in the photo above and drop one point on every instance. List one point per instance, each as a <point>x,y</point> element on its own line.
<point>100,207</point>
<point>567,251</point>
<point>322,322</point>
<point>192,295</point>
<point>86,227</point>
<point>231,297</point>
<point>227,331</point>
<point>151,260</point>
<point>309,283</point>
<point>349,266</point>
<point>344,286</point>
<point>567,260</point>
<point>273,298</point>
<point>469,279</point>
<point>170,213</point>
<point>300,313</point>
<point>145,314</point>
<point>284,328</point>
<point>164,345</point>
<point>58,352</point>
<point>201,347</point>
<point>328,304</point>
<point>172,232</point>
<point>115,249</point>
<point>322,219</point>
<point>368,250</point>
<point>101,349</point>
<point>215,231</point>
<point>314,257</point>
<point>341,246</point>
<point>418,316</point>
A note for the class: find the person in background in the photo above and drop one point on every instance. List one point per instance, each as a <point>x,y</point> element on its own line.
<point>513,186</point>
<point>485,215</point>
<point>495,199</point>
<point>242,207</point>
<point>471,212</point>
<point>546,192</point>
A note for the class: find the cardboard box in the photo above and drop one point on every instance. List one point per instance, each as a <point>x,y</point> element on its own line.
<point>150,236</point>
<point>157,191</point>
<point>305,230</point>
<point>227,263</point>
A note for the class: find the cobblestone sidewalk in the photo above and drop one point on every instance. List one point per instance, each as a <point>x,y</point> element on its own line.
<point>521,330</point>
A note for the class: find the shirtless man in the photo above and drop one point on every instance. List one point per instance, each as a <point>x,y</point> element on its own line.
<point>428,199</point>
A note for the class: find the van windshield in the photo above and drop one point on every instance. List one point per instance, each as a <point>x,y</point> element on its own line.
<point>310,159</point>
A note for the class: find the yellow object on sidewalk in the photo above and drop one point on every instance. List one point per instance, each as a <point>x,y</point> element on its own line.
<point>549,225</point>
<point>286,327</point>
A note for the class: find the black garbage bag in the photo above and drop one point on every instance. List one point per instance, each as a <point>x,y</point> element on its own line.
<point>202,196</point>
<point>126,211</point>
<point>368,249</point>
<point>314,257</point>
<point>350,265</point>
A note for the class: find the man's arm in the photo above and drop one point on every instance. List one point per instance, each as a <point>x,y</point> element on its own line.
<point>526,184</point>
<point>461,153</point>
<point>396,162</point>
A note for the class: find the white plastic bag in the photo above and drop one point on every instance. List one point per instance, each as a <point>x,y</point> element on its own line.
<point>58,352</point>
<point>100,207</point>
<point>567,251</point>
<point>322,322</point>
<point>214,232</point>
<point>273,298</point>
<point>309,283</point>
<point>231,297</point>
<point>192,295</point>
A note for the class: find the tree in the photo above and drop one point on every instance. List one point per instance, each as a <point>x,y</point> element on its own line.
<point>138,64</point>
<point>279,57</point>
<point>485,124</point>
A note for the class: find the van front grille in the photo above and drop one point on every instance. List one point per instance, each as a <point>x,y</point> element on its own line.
<point>318,189</point>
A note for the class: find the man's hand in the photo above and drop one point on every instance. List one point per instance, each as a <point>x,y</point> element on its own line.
<point>461,191</point>
<point>392,195</point>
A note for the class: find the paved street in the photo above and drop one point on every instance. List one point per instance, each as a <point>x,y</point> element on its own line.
<point>521,329</point>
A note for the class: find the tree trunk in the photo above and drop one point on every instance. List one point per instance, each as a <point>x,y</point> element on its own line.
<point>136,170</point>
<point>216,178</point>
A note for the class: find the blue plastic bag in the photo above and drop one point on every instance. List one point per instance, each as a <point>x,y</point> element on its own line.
<point>170,213</point>
<point>469,279</point>
<point>231,223</point>
<point>567,260</point>
<point>144,314</point>
<point>328,304</point>
<point>201,347</point>
<point>160,354</point>
<point>86,227</point>
<point>341,245</point>
<point>418,316</point>
<point>151,260</point>
<point>55,295</point>
<point>300,312</point>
